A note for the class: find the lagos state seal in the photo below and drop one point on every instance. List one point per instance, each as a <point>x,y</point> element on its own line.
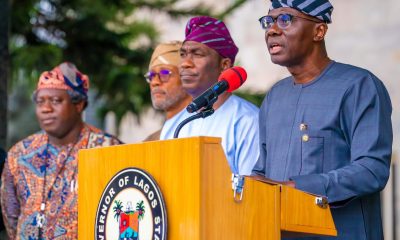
<point>131,208</point>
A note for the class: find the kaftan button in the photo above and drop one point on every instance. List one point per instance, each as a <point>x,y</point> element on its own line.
<point>303,127</point>
<point>305,138</point>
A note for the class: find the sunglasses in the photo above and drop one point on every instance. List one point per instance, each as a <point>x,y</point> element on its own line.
<point>283,20</point>
<point>163,75</point>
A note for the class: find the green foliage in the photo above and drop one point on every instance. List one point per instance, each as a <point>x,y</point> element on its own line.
<point>95,35</point>
<point>117,208</point>
<point>140,208</point>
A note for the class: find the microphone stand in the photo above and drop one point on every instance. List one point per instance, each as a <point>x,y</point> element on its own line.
<point>207,111</point>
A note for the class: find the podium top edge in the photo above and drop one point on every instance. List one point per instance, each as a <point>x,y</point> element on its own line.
<point>206,139</point>
<point>202,139</point>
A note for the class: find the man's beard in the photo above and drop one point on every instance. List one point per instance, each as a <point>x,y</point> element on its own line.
<point>170,100</point>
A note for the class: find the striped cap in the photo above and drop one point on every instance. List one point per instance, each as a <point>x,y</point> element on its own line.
<point>321,9</point>
<point>213,33</point>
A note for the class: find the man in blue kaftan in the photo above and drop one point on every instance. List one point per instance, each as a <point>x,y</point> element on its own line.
<point>326,129</point>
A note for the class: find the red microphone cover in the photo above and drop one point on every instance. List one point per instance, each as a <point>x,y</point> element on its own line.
<point>235,77</point>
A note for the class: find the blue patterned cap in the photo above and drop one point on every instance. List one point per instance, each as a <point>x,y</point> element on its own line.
<point>321,9</point>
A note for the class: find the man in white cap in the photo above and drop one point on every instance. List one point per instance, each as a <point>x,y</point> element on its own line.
<point>163,77</point>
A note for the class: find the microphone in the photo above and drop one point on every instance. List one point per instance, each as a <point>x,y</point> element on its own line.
<point>229,80</point>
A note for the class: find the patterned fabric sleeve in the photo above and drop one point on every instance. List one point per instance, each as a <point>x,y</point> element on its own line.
<point>9,201</point>
<point>22,188</point>
<point>98,138</point>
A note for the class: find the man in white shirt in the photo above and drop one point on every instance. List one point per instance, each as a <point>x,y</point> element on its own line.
<point>208,50</point>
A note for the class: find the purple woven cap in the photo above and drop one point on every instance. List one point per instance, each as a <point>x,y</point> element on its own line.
<point>213,33</point>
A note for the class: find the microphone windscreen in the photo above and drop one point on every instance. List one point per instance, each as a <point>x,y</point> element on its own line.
<point>235,77</point>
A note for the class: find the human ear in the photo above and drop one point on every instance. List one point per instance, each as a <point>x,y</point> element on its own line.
<point>80,106</point>
<point>320,31</point>
<point>225,63</point>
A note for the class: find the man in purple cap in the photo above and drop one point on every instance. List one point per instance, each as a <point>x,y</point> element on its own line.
<point>208,49</point>
<point>326,129</point>
<point>39,182</point>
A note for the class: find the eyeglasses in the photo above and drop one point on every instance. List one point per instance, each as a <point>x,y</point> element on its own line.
<point>163,75</point>
<point>283,20</point>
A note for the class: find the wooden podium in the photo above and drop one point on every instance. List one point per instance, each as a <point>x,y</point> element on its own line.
<point>195,181</point>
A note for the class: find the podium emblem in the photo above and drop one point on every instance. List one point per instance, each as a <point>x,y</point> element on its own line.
<point>131,208</point>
